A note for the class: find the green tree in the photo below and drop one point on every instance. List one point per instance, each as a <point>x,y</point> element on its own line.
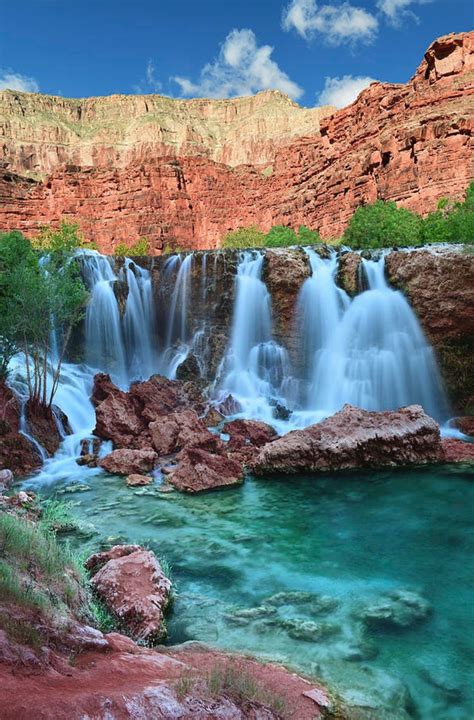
<point>41,297</point>
<point>308,237</point>
<point>247,237</point>
<point>383,224</point>
<point>281,236</point>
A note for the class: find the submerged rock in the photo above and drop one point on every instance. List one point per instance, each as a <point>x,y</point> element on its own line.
<point>135,480</point>
<point>397,609</point>
<point>355,438</point>
<point>134,588</point>
<point>129,462</point>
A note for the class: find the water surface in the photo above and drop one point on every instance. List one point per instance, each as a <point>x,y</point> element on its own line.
<point>344,540</point>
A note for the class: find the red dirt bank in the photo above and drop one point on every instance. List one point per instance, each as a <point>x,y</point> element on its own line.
<point>409,143</point>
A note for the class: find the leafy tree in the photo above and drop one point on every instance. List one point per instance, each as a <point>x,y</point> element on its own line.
<point>243,238</point>
<point>67,237</point>
<point>141,247</point>
<point>41,298</point>
<point>281,236</point>
<point>308,237</point>
<point>383,224</point>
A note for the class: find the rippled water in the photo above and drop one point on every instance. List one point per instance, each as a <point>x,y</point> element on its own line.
<point>350,538</point>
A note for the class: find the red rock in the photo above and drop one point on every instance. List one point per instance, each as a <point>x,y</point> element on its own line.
<point>457,451</point>
<point>97,560</point>
<point>43,426</point>
<point>254,432</point>
<point>355,438</point>
<point>182,429</point>
<point>409,143</point>
<point>129,462</point>
<point>136,591</point>
<point>16,452</point>
<point>199,470</point>
<point>139,480</point>
<point>465,424</point>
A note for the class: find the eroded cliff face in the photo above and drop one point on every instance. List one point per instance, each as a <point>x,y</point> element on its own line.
<point>186,172</point>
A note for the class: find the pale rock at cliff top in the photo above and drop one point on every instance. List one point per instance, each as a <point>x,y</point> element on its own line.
<point>110,163</point>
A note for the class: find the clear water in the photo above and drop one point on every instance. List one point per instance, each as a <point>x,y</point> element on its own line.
<point>350,537</point>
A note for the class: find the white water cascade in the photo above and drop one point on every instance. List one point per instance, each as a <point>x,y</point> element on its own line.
<point>254,366</point>
<point>376,356</point>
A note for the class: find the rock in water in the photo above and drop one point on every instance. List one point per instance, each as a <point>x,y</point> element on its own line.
<point>135,480</point>
<point>200,470</point>
<point>134,588</point>
<point>355,438</point>
<point>129,462</point>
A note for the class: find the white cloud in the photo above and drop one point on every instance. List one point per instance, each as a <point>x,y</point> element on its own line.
<point>10,80</point>
<point>337,23</point>
<point>395,10</point>
<point>242,68</point>
<point>342,91</point>
<point>149,84</point>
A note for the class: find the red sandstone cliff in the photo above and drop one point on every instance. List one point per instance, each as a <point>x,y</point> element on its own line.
<point>186,172</point>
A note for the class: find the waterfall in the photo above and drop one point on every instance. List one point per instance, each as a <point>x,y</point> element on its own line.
<point>254,366</point>
<point>178,334</point>
<point>120,343</point>
<point>376,356</point>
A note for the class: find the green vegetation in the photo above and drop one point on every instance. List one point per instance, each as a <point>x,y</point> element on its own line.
<point>383,224</point>
<point>378,225</point>
<point>278,236</point>
<point>234,680</point>
<point>141,247</point>
<point>39,294</point>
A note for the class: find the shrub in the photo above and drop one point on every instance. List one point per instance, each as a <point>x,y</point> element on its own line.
<point>383,224</point>
<point>141,247</point>
<point>308,237</point>
<point>243,238</point>
<point>281,236</point>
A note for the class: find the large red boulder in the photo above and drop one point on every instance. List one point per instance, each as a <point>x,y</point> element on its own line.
<point>124,417</point>
<point>180,429</point>
<point>128,462</point>
<point>16,452</point>
<point>458,451</point>
<point>200,470</point>
<point>246,437</point>
<point>355,438</point>
<point>134,588</point>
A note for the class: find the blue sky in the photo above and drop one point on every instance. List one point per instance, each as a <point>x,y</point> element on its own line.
<point>316,52</point>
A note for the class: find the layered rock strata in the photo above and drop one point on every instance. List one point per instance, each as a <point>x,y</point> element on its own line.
<point>186,172</point>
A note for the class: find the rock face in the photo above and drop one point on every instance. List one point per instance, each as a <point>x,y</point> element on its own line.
<point>16,452</point>
<point>186,172</point>
<point>133,586</point>
<point>439,284</point>
<point>355,438</point>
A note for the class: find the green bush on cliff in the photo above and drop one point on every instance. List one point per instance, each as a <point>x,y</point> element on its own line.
<point>383,224</point>
<point>247,237</point>
<point>277,236</point>
<point>140,248</point>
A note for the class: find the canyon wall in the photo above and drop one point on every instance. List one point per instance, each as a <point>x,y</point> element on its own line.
<point>184,172</point>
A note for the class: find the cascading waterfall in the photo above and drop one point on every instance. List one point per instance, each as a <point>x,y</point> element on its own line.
<point>376,357</point>
<point>178,337</point>
<point>254,366</point>
<point>369,351</point>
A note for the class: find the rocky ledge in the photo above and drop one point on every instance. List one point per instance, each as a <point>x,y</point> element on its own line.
<point>355,438</point>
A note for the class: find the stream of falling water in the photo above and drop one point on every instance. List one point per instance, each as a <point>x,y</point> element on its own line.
<point>369,351</point>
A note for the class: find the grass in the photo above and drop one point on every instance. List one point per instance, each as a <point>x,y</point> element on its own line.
<point>14,591</point>
<point>234,681</point>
